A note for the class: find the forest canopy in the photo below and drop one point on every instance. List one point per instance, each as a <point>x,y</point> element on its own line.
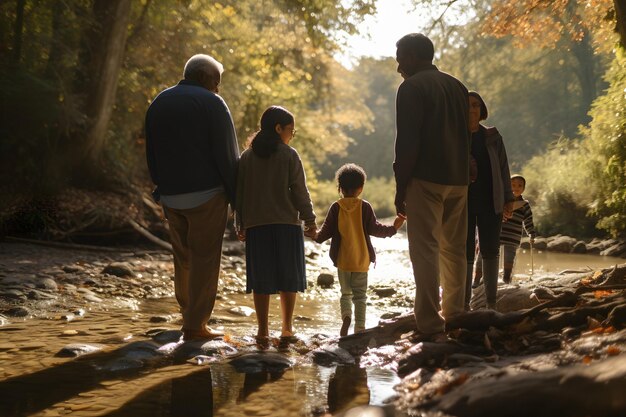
<point>76,77</point>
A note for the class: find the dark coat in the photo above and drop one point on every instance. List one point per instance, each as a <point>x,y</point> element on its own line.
<point>191,143</point>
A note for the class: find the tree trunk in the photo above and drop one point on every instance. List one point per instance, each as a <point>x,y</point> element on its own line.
<point>19,28</point>
<point>106,43</point>
<point>58,40</point>
<point>620,20</point>
<point>586,71</point>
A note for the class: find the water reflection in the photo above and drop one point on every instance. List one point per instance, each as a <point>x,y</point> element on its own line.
<point>348,388</point>
<point>34,382</point>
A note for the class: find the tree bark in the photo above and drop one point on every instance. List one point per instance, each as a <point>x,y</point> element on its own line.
<point>620,20</point>
<point>106,51</point>
<point>18,30</point>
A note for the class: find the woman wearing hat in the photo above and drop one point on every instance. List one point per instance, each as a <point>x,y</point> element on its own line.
<point>489,199</point>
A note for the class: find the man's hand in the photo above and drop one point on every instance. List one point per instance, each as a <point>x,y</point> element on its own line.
<point>508,210</point>
<point>241,235</point>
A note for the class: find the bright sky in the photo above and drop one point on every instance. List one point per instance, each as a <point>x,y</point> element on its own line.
<point>379,33</point>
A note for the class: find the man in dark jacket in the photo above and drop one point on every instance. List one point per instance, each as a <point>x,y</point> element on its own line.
<point>192,153</point>
<point>431,168</point>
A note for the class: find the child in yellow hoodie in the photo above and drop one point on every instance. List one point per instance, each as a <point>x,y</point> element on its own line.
<point>350,222</point>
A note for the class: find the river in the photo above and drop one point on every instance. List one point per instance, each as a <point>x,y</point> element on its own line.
<point>52,386</point>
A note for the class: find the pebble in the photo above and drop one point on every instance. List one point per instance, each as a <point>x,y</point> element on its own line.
<point>17,312</point>
<point>384,292</point>
<point>13,294</point>
<point>241,311</point>
<point>325,279</point>
<point>119,269</point>
<point>160,319</point>
<point>78,349</point>
<point>72,268</point>
<point>260,361</point>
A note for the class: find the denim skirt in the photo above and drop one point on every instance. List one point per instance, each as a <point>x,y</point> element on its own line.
<point>275,259</point>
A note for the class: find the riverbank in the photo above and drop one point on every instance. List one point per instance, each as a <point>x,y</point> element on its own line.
<point>110,315</point>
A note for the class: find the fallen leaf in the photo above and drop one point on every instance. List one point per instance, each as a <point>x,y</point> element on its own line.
<point>587,359</point>
<point>602,293</point>
<point>613,350</point>
<point>460,380</point>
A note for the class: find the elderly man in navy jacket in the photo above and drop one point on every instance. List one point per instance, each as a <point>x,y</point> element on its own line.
<point>192,153</point>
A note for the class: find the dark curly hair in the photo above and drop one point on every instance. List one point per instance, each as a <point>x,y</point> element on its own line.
<point>350,177</point>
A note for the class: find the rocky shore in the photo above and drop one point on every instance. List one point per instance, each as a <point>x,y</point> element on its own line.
<point>568,244</point>
<point>554,347</point>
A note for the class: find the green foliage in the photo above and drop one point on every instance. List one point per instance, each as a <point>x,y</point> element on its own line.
<point>279,52</point>
<point>380,192</point>
<point>605,142</point>
<point>371,144</point>
<point>559,190</point>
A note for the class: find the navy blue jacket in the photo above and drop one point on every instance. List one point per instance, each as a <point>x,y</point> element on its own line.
<point>191,144</point>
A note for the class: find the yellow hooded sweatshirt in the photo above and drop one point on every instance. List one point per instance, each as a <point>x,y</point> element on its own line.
<point>353,254</point>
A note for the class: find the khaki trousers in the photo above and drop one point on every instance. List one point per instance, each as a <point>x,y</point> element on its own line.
<point>196,236</point>
<point>437,232</point>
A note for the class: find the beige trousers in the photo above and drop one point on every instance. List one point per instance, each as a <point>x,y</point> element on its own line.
<point>437,231</point>
<point>196,236</point>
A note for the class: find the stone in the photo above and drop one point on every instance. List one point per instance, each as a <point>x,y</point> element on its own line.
<point>122,365</point>
<point>165,336</point>
<point>47,284</point>
<point>17,312</point>
<point>40,295</point>
<point>331,355</point>
<point>13,294</point>
<point>384,292</point>
<point>618,249</point>
<point>540,244</point>
<point>160,319</point>
<point>325,279</point>
<point>260,361</point>
<point>579,247</point>
<point>562,244</point>
<point>75,350</point>
<point>241,311</point>
<point>73,269</point>
<point>119,269</point>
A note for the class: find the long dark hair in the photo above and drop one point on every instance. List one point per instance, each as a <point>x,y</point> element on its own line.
<point>265,141</point>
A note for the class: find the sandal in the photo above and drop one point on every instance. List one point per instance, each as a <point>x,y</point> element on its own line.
<point>289,339</point>
<point>263,342</point>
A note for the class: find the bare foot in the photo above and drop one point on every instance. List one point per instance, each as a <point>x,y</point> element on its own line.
<point>203,333</point>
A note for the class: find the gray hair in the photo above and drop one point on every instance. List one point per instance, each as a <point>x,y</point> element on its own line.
<point>201,65</point>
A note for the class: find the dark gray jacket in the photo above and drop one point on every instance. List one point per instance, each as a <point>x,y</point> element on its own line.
<point>432,138</point>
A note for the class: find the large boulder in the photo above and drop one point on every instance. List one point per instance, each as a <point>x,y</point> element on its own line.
<point>561,244</point>
<point>618,249</point>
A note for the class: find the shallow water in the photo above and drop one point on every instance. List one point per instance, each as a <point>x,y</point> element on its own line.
<point>35,382</point>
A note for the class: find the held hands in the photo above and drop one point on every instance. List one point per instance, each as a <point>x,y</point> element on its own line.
<point>398,221</point>
<point>508,211</point>
<point>311,231</point>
